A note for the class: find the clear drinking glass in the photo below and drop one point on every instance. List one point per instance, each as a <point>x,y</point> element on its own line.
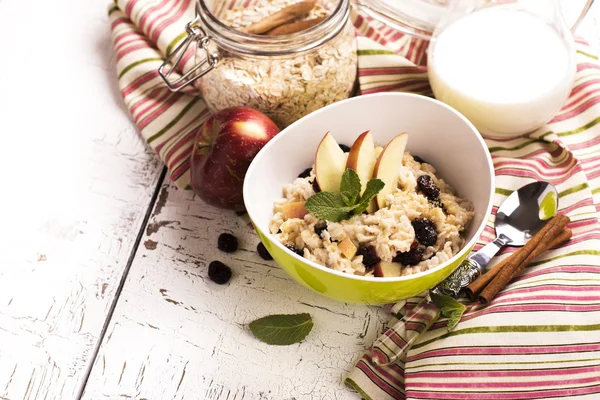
<point>508,66</point>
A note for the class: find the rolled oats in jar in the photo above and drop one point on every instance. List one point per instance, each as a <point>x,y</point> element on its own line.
<point>285,75</point>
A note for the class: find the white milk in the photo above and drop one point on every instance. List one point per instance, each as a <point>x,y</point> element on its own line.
<point>506,70</point>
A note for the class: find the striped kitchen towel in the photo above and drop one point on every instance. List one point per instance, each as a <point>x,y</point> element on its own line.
<point>540,337</point>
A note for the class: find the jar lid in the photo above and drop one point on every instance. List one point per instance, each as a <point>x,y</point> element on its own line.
<point>414,17</point>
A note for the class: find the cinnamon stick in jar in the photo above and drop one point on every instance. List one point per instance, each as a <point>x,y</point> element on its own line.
<point>476,287</point>
<point>517,261</point>
<point>281,17</point>
<point>294,27</point>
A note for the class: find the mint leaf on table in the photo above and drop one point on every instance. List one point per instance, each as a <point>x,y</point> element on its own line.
<point>374,186</point>
<point>350,187</point>
<point>282,329</point>
<point>328,206</point>
<point>449,308</point>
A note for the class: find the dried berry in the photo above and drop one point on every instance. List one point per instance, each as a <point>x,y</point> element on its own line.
<point>305,173</point>
<point>227,243</point>
<point>263,252</point>
<point>219,273</point>
<point>425,231</point>
<point>293,248</point>
<point>315,186</point>
<point>411,257</point>
<point>419,160</point>
<point>344,148</point>
<point>428,187</point>
<point>369,255</point>
<point>320,227</point>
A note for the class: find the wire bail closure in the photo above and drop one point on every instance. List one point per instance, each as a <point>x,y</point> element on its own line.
<point>194,34</point>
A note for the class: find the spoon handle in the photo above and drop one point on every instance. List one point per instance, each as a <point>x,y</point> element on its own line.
<point>471,268</point>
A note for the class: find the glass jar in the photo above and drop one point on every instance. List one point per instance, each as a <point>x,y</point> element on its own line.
<point>285,77</point>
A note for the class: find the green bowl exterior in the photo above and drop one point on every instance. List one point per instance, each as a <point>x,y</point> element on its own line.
<point>351,290</point>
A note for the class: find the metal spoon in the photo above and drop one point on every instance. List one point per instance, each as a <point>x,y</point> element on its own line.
<point>519,217</point>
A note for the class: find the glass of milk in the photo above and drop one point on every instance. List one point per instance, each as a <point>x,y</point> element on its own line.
<point>508,66</point>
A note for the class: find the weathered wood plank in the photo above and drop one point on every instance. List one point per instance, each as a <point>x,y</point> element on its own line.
<point>77,185</point>
<point>176,334</point>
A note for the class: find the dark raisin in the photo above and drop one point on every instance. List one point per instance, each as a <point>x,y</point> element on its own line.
<point>305,173</point>
<point>344,148</point>
<point>227,243</point>
<point>369,255</point>
<point>411,257</point>
<point>428,187</point>
<point>263,252</point>
<point>320,227</point>
<point>315,186</point>
<point>219,273</point>
<point>425,231</point>
<point>293,248</point>
<point>419,160</point>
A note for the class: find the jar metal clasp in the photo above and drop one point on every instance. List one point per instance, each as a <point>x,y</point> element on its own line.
<point>194,34</point>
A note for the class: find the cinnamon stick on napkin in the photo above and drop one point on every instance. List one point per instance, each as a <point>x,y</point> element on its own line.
<point>514,265</point>
<point>476,287</point>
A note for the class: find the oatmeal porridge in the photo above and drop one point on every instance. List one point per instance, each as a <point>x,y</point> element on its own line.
<point>418,225</point>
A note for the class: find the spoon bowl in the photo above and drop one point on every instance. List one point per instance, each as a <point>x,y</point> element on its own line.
<point>526,211</point>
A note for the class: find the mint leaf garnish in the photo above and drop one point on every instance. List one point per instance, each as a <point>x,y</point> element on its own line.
<point>282,329</point>
<point>449,308</point>
<point>328,206</point>
<point>337,207</point>
<point>350,187</point>
<point>373,187</point>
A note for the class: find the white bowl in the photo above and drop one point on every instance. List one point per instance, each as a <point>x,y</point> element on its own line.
<point>437,133</point>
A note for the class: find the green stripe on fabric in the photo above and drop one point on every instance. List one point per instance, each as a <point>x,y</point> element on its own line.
<point>581,129</point>
<point>375,52</point>
<point>113,9</point>
<point>503,363</point>
<point>514,329</point>
<point>351,384</point>
<point>135,64</point>
<point>504,192</point>
<point>174,42</point>
<point>517,147</point>
<point>596,191</point>
<point>587,54</point>
<point>574,189</point>
<point>574,253</point>
<point>174,121</point>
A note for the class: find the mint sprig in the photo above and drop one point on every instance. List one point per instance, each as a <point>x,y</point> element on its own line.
<point>337,207</point>
<point>350,187</point>
<point>449,308</point>
<point>282,329</point>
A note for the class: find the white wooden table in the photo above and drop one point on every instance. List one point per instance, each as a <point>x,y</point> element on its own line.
<point>103,284</point>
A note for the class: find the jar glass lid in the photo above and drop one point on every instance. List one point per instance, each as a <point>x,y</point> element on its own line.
<point>414,17</point>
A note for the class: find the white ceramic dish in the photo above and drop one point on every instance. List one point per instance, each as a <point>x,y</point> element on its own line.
<point>437,133</point>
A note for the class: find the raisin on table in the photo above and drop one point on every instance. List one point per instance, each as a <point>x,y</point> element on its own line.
<point>263,252</point>
<point>227,243</point>
<point>219,273</point>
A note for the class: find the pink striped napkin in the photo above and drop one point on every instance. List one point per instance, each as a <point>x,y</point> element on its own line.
<point>540,338</point>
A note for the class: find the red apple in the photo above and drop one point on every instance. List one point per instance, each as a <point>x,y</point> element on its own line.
<point>223,149</point>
